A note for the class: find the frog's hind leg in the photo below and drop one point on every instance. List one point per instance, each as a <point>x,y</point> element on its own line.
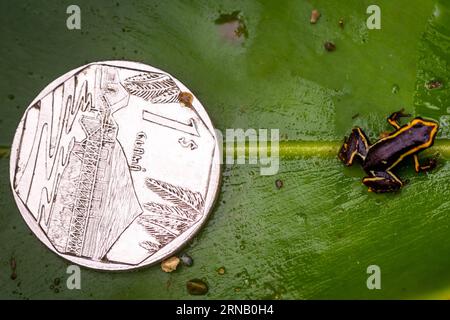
<point>382,181</point>
<point>431,164</point>
<point>356,145</point>
<point>393,118</point>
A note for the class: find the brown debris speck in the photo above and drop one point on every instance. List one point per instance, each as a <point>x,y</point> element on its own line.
<point>329,46</point>
<point>170,264</point>
<point>433,84</point>
<point>279,184</point>
<point>196,287</point>
<point>341,23</point>
<point>221,271</point>
<point>315,15</point>
<point>186,99</point>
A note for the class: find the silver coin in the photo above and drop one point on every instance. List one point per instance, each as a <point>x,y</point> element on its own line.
<point>115,165</point>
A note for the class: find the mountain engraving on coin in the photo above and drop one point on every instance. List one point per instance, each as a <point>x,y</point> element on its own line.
<point>110,170</point>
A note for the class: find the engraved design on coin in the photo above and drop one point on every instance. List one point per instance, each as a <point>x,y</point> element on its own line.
<point>97,170</point>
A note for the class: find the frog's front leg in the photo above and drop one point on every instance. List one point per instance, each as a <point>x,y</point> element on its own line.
<point>356,145</point>
<point>431,164</point>
<point>382,181</point>
<point>393,118</point>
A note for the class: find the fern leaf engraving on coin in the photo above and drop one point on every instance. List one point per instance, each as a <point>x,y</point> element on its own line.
<point>184,198</point>
<point>154,87</point>
<point>168,210</point>
<point>166,221</point>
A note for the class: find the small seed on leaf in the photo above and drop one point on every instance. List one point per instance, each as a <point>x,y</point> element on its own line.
<point>170,264</point>
<point>196,287</point>
<point>315,15</point>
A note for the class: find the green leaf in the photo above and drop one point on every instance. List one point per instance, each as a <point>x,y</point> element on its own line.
<point>314,237</point>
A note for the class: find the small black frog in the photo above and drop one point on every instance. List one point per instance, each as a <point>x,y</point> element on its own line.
<point>380,158</point>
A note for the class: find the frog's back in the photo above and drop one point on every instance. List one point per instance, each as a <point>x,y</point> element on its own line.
<point>408,140</point>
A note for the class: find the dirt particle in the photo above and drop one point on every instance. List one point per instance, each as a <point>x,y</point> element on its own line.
<point>433,84</point>
<point>186,260</point>
<point>341,23</point>
<point>57,281</point>
<point>196,287</point>
<point>170,264</point>
<point>279,184</point>
<point>329,46</point>
<point>186,99</point>
<point>315,15</point>
<point>11,97</point>
<point>221,271</point>
<point>356,115</point>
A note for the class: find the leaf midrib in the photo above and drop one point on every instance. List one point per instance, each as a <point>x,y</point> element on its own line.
<point>295,149</point>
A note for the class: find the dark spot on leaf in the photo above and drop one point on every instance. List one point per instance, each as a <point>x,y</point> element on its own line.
<point>279,183</point>
<point>329,46</point>
<point>232,27</point>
